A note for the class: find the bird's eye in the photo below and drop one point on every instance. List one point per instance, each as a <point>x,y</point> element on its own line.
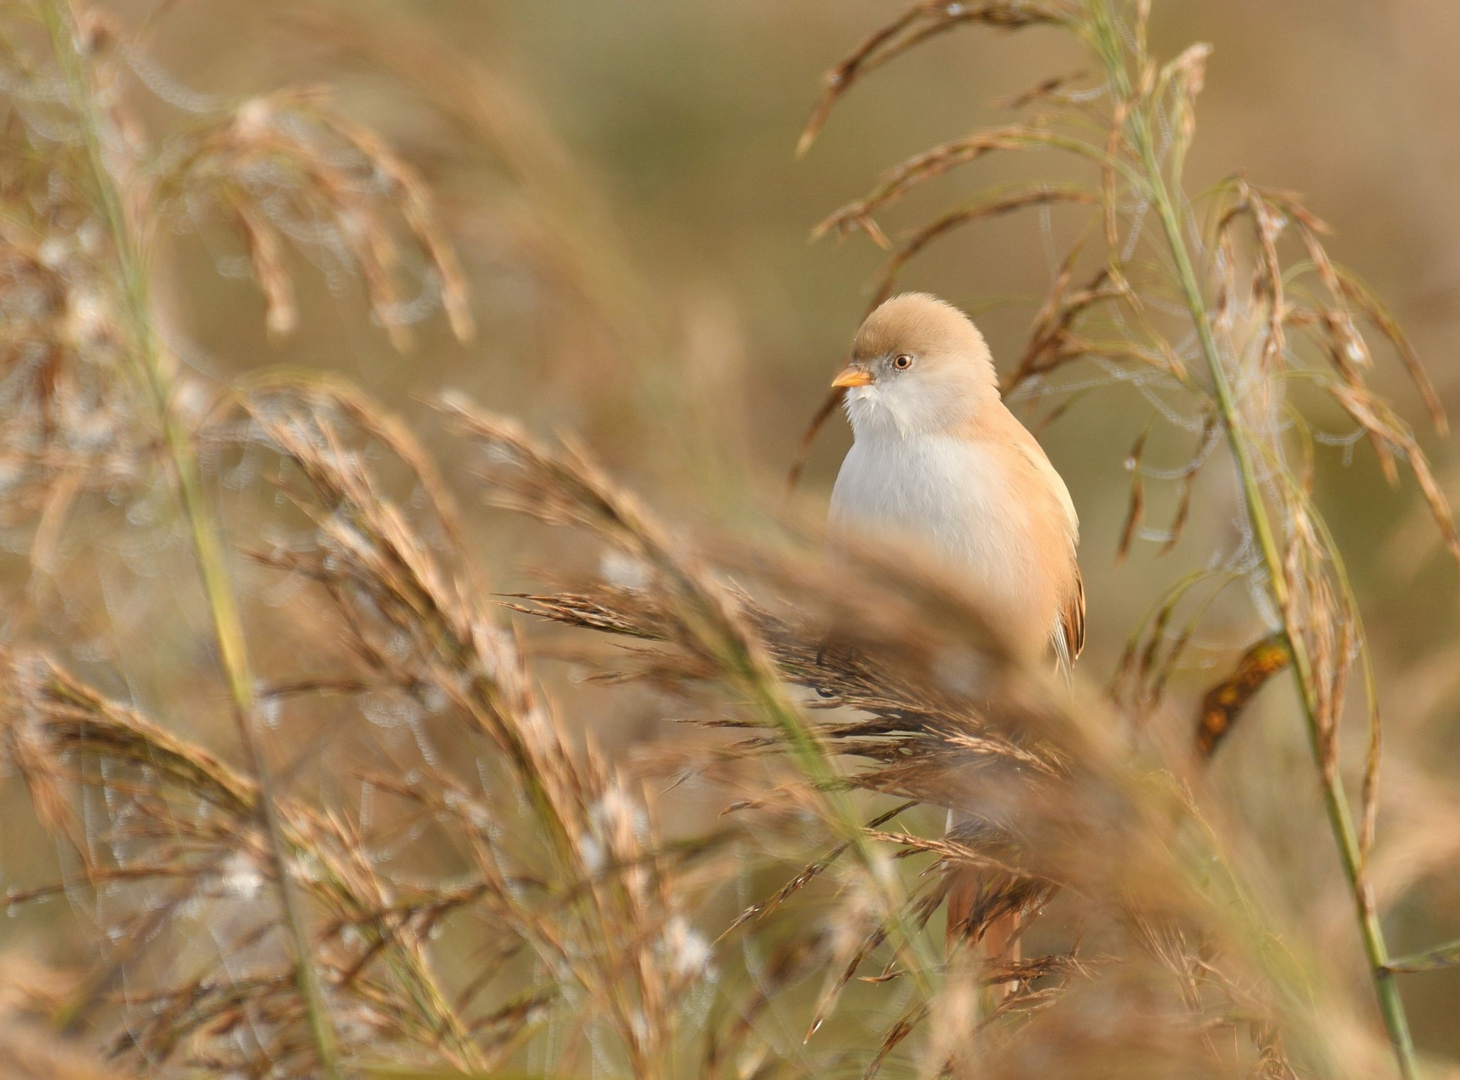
<point>902,361</point>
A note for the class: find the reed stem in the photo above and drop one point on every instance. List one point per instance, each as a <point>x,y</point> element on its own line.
<point>158,385</point>
<point>1340,815</point>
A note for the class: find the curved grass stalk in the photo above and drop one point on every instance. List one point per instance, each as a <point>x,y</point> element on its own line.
<point>1340,815</point>
<point>158,386</point>
<point>124,735</point>
<point>713,620</point>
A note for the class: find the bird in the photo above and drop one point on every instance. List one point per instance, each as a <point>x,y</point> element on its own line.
<point>939,462</point>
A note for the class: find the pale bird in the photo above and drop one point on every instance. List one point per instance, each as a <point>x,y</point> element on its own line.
<point>940,462</point>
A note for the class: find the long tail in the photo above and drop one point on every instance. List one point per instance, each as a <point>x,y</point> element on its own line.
<point>998,938</point>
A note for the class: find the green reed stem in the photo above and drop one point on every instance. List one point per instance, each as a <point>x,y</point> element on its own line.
<point>159,386</point>
<point>709,615</point>
<point>1340,816</point>
<point>811,756</point>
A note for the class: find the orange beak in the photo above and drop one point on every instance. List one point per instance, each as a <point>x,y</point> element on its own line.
<point>852,376</point>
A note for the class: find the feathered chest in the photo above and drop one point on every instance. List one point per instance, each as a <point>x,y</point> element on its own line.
<point>947,493</point>
<point>979,506</point>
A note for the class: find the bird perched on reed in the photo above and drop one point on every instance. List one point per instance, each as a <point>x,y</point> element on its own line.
<point>939,461</point>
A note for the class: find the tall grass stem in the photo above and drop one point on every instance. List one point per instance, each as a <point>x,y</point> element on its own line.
<point>207,543</point>
<point>1340,815</point>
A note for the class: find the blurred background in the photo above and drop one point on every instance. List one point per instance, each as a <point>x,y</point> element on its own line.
<point>620,181</point>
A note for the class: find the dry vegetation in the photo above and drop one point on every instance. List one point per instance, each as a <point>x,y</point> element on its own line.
<point>468,886</point>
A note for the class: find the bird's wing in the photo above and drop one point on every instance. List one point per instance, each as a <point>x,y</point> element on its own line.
<point>1034,453</point>
<point>1070,635</point>
<point>1072,618</point>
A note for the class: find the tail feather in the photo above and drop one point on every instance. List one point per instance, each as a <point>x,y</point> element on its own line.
<point>990,919</point>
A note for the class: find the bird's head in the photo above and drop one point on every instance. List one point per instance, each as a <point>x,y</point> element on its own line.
<point>918,366</point>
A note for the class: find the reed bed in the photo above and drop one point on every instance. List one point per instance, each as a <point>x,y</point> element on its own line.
<point>357,836</point>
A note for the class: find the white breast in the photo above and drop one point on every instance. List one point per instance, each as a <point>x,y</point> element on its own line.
<point>953,498</point>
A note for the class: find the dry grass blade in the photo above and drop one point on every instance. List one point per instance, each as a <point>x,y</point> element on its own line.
<point>914,26</point>
<point>1052,338</point>
<point>566,488</point>
<point>606,924</point>
<point>1359,293</point>
<point>196,819</point>
<point>1380,421</point>
<point>1133,463</point>
<point>1055,88</point>
<point>1445,956</point>
<point>1267,225</point>
<point>808,875</point>
<point>582,238</point>
<point>990,205</point>
<point>899,1031</point>
<point>929,165</point>
<point>1205,445</point>
<point>290,155</point>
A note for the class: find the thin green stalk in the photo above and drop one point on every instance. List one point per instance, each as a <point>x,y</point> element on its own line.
<point>712,619</point>
<point>1335,801</point>
<point>158,384</point>
<point>811,756</point>
<point>709,614</point>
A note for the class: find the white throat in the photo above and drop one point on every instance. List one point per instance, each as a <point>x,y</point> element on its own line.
<point>905,410</point>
